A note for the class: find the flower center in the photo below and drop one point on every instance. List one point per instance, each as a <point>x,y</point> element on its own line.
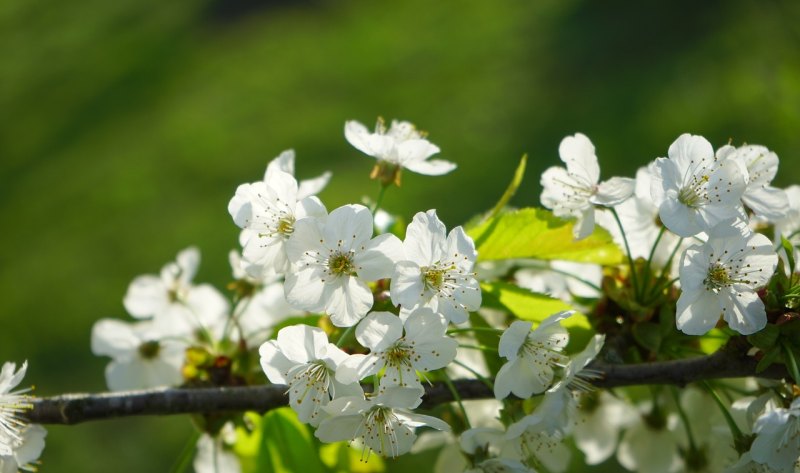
<point>691,195</point>
<point>149,350</point>
<point>433,277</point>
<point>341,264</point>
<point>286,226</point>
<point>398,354</point>
<point>717,277</point>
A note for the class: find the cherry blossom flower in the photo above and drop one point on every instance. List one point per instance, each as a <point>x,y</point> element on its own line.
<point>399,147</point>
<point>532,356</point>
<point>437,271</point>
<point>720,277</point>
<point>302,358</point>
<point>177,306</point>
<point>141,357</point>
<point>334,259</point>
<point>650,444</point>
<point>695,189</point>
<point>777,442</point>
<point>12,405</point>
<point>601,418</point>
<point>763,199</point>
<point>419,344</point>
<point>26,451</point>
<point>215,453</point>
<point>267,211</point>
<point>384,423</point>
<point>574,191</point>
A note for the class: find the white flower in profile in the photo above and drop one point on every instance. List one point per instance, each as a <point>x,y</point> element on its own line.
<point>695,189</point>
<point>26,451</point>
<point>141,356</point>
<point>215,453</point>
<point>650,444</point>
<point>532,356</point>
<point>419,344</point>
<point>306,187</point>
<point>302,358</point>
<point>777,442</point>
<point>574,191</point>
<point>267,211</point>
<point>720,278</point>
<point>332,261</point>
<point>12,405</point>
<point>601,418</point>
<point>534,441</point>
<point>760,196</point>
<point>402,146</point>
<point>384,423</point>
<point>437,271</point>
<point>177,306</point>
<point>789,226</point>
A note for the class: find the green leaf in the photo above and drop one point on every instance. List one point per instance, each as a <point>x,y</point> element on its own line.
<point>788,248</point>
<point>286,444</point>
<point>648,335</point>
<point>770,356</point>
<point>766,337</point>
<point>342,457</point>
<point>713,340</point>
<point>537,233</point>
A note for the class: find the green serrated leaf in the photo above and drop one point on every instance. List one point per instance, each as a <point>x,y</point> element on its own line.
<point>286,444</point>
<point>766,337</point>
<point>788,248</point>
<point>537,233</point>
<point>713,341</point>
<point>648,335</point>
<point>527,305</point>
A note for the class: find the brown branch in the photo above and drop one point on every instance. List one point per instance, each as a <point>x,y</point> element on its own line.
<point>728,362</point>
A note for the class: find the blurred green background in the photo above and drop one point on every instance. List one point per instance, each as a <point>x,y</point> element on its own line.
<point>126,126</point>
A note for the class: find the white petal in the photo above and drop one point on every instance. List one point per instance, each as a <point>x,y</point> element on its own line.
<point>613,191</point>
<point>348,301</point>
<point>431,167</point>
<point>744,311</point>
<point>697,311</point>
<point>379,330</point>
<point>302,343</point>
<point>407,285</point>
<point>768,202</point>
<point>114,338</point>
<point>377,258</point>
<point>350,224</point>
<point>680,219</point>
<point>513,338</point>
<point>357,367</point>
<point>584,226</point>
<point>146,296</point>
<point>425,237</point>
<point>274,363</point>
<point>305,289</point>
<point>579,154</point>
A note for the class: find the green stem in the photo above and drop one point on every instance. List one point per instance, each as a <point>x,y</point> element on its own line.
<point>379,199</point>
<point>791,362</point>
<point>344,336</point>
<point>735,431</point>
<point>628,251</point>
<point>649,262</point>
<point>474,329</point>
<point>185,458</point>
<point>481,377</point>
<point>457,397</point>
<point>684,419</point>
<point>478,347</point>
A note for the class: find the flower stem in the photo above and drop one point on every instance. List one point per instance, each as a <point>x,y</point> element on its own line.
<point>344,336</point>
<point>457,397</point>
<point>379,199</point>
<point>565,273</point>
<point>735,431</point>
<point>484,379</point>
<point>684,419</point>
<point>478,347</point>
<point>634,278</point>
<point>474,329</point>
<point>791,362</point>
<point>649,262</point>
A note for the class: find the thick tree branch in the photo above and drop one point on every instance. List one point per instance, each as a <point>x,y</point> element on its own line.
<point>76,408</point>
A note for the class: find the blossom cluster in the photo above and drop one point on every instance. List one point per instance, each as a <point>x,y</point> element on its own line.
<point>356,318</point>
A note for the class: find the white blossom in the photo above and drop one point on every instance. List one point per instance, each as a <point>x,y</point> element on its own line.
<point>215,453</point>
<point>695,189</point>
<point>532,356</point>
<point>720,277</point>
<point>760,196</point>
<point>267,211</point>
<point>302,358</point>
<point>650,444</point>
<point>177,306</point>
<point>419,344</point>
<point>12,405</point>
<point>401,145</point>
<point>26,452</point>
<point>384,423</point>
<point>437,271</point>
<point>574,191</point>
<point>777,442</point>
<point>601,418</point>
<point>333,260</point>
<point>141,357</point>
